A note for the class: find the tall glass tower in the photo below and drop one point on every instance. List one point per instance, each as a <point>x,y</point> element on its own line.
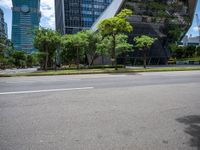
<point>26,17</point>
<point>3,25</point>
<point>75,15</point>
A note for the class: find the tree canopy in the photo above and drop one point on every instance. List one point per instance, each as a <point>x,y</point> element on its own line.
<point>114,26</point>
<point>144,43</point>
<point>47,42</point>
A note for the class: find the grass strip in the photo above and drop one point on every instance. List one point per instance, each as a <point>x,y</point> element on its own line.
<point>101,71</point>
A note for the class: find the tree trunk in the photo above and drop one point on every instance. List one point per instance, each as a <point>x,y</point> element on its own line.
<point>47,58</point>
<point>77,58</point>
<point>113,53</point>
<point>86,59</point>
<point>55,62</point>
<point>102,59</point>
<point>145,58</point>
<point>93,59</point>
<point>125,60</point>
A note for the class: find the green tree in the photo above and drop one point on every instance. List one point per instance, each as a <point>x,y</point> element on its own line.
<point>144,43</point>
<point>114,26</point>
<point>198,51</point>
<point>189,51</point>
<point>3,60</point>
<point>103,48</point>
<point>2,45</point>
<point>31,60</point>
<point>122,46</point>
<point>73,47</point>
<point>19,59</point>
<point>6,51</point>
<point>47,42</point>
<point>173,32</point>
<point>92,40</point>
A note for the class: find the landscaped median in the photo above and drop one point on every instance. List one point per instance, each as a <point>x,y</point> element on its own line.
<point>102,71</point>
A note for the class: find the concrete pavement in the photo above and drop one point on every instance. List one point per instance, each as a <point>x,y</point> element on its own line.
<point>143,111</point>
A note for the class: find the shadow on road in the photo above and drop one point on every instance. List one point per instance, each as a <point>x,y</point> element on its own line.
<point>193,129</point>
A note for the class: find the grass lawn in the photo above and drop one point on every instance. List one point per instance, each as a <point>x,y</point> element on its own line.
<point>101,71</point>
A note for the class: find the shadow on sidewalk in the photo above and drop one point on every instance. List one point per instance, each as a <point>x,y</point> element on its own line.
<point>193,129</point>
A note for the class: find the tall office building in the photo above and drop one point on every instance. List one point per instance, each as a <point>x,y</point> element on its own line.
<point>26,17</point>
<point>167,20</point>
<point>75,15</point>
<point>3,26</point>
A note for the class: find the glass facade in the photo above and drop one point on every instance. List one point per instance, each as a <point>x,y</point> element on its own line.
<point>75,15</point>
<point>26,17</point>
<point>166,20</point>
<point>3,25</point>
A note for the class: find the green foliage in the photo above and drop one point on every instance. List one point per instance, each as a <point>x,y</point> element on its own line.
<point>19,59</point>
<point>122,45</point>
<point>118,24</point>
<point>31,60</point>
<point>47,42</point>
<point>181,52</point>
<point>104,47</point>
<point>124,13</point>
<point>73,48</point>
<point>198,51</point>
<point>3,62</point>
<point>156,6</point>
<point>114,26</point>
<point>189,51</point>
<point>173,32</point>
<point>91,47</point>
<point>2,45</point>
<point>144,43</point>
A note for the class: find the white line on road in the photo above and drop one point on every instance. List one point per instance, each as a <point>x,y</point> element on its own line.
<point>42,91</point>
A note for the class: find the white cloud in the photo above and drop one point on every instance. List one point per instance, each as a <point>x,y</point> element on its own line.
<point>48,14</point>
<point>47,10</point>
<point>195,29</point>
<point>6,3</point>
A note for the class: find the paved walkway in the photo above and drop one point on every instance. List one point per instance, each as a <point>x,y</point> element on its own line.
<point>14,71</point>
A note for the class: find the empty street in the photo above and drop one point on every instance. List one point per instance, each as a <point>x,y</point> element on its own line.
<point>140,111</point>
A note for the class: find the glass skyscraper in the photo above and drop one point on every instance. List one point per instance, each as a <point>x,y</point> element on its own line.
<point>75,15</point>
<point>26,17</point>
<point>3,26</point>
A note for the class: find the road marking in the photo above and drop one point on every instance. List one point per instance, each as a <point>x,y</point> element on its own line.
<point>42,91</point>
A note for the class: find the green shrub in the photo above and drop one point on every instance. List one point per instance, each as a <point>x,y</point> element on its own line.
<point>19,59</point>
<point>190,51</point>
<point>104,66</point>
<point>198,51</point>
<point>87,67</point>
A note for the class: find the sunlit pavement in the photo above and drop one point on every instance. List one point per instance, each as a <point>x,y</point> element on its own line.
<point>15,71</point>
<point>139,111</point>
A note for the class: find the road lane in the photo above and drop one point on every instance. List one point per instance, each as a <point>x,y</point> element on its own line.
<point>97,81</point>
<point>135,111</point>
<point>45,91</point>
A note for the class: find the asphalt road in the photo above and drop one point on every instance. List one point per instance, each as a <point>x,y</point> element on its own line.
<point>144,111</point>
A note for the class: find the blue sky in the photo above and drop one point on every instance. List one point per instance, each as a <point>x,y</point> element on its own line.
<point>48,15</point>
<point>194,29</point>
<point>47,9</point>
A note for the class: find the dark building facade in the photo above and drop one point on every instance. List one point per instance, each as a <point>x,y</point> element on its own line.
<point>75,15</point>
<point>26,17</point>
<point>3,26</point>
<point>166,20</point>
